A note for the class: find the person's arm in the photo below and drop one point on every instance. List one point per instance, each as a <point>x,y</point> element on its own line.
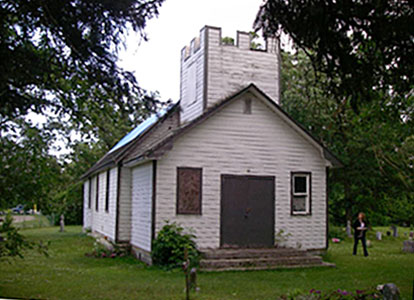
<point>356,225</point>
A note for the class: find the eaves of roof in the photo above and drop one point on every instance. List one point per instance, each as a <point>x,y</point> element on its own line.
<point>157,150</point>
<point>111,159</point>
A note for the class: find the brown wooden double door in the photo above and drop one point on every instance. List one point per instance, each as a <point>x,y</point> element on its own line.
<point>247,211</point>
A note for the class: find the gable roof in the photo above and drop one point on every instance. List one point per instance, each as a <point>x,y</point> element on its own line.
<point>130,141</point>
<point>158,149</point>
<point>130,149</point>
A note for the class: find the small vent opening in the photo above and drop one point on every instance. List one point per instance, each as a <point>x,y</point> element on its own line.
<point>247,106</point>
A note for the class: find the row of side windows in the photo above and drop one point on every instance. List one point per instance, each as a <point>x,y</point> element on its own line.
<point>189,192</point>
<point>107,191</point>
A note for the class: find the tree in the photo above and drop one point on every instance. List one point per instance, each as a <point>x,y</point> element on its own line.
<point>28,172</point>
<point>62,63</point>
<point>13,244</point>
<point>365,48</point>
<point>363,141</point>
<point>362,56</point>
<point>62,56</point>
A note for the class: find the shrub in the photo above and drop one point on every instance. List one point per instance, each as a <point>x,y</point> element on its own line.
<point>281,238</point>
<point>169,246</point>
<point>13,244</point>
<point>337,232</point>
<point>102,251</point>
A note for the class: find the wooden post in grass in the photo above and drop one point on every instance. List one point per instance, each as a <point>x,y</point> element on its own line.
<point>62,223</point>
<point>348,228</point>
<point>394,230</point>
<point>186,268</point>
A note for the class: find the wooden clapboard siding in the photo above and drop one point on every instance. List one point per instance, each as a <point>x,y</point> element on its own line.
<point>230,142</point>
<point>156,134</point>
<point>192,80</point>
<point>231,68</point>
<point>141,231</point>
<point>86,210</point>
<point>124,215</point>
<point>93,196</point>
<point>103,221</point>
<point>215,71</point>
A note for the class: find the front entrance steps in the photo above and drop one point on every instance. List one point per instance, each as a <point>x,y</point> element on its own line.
<point>258,259</point>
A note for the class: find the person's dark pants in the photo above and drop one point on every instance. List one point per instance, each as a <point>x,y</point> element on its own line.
<point>364,245</point>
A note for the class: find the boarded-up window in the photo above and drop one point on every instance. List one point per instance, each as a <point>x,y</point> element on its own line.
<point>97,193</point>
<point>301,193</point>
<point>107,190</point>
<point>189,191</point>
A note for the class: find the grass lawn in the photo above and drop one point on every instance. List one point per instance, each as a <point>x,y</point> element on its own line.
<point>69,274</point>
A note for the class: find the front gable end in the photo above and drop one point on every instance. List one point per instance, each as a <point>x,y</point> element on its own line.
<point>248,109</point>
<point>245,136</point>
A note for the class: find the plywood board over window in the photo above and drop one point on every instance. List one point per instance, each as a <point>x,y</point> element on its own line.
<point>189,188</point>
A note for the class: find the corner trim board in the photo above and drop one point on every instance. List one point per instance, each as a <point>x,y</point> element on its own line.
<point>327,206</point>
<point>154,197</point>
<point>117,204</point>
<point>205,87</point>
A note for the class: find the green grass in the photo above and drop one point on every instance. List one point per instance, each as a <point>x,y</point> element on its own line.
<point>69,274</point>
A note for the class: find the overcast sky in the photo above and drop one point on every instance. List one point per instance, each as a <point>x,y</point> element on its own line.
<point>156,63</point>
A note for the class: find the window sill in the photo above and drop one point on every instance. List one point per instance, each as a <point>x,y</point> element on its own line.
<point>300,214</point>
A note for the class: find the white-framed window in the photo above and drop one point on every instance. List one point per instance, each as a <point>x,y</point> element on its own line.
<point>301,193</point>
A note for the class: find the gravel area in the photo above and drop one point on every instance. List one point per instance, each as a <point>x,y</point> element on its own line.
<point>18,219</point>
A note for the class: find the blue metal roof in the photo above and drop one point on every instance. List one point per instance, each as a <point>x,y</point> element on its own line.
<point>141,128</point>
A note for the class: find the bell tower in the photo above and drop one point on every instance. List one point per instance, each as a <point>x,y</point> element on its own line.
<point>212,71</point>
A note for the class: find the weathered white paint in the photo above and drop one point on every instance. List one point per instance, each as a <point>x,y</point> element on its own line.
<point>192,79</point>
<point>124,221</point>
<point>157,133</point>
<point>230,142</point>
<point>103,221</point>
<point>93,197</point>
<point>142,206</point>
<point>231,68</point>
<point>228,70</point>
<point>86,210</point>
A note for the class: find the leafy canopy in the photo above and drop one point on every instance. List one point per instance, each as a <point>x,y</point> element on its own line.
<point>62,55</point>
<point>355,92</point>
<point>375,145</point>
<point>62,63</point>
<point>365,48</point>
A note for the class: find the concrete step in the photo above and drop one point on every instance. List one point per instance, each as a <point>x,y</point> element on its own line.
<point>256,268</point>
<point>259,262</point>
<point>258,259</point>
<point>252,253</point>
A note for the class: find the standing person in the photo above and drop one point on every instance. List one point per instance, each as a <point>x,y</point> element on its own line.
<point>360,229</point>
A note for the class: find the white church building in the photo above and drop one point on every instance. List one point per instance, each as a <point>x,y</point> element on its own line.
<point>226,160</point>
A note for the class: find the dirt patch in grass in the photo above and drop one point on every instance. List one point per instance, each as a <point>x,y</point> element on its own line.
<point>19,219</point>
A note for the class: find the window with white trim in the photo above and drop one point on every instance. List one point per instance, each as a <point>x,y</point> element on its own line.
<point>301,193</point>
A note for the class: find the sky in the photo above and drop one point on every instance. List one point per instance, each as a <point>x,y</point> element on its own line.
<point>156,63</point>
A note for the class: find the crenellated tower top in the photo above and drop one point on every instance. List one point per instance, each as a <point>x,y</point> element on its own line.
<point>212,70</point>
